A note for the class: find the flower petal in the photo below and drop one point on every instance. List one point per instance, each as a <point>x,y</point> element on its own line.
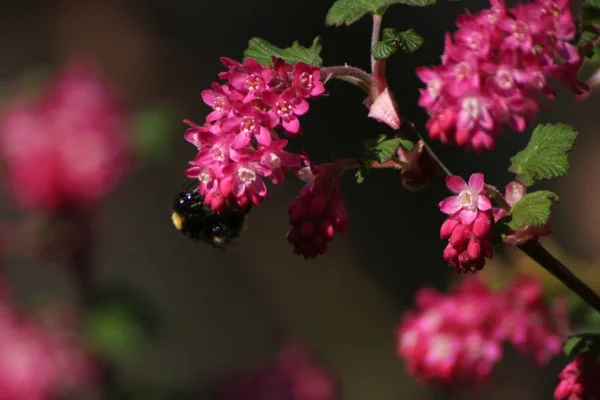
<point>476,182</point>
<point>483,203</point>
<point>467,216</point>
<point>456,184</point>
<point>450,205</point>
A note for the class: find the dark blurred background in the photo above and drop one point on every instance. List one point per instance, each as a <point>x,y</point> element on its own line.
<point>219,311</point>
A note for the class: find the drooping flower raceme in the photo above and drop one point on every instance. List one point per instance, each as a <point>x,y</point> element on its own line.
<point>494,69</point>
<point>292,376</point>
<point>580,379</point>
<point>238,145</point>
<point>469,225</point>
<point>457,338</point>
<point>37,362</point>
<point>66,147</point>
<point>318,212</point>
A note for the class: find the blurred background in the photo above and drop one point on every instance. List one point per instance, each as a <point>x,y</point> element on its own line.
<point>215,312</point>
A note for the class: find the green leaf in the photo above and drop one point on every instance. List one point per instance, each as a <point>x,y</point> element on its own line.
<point>590,14</point>
<point>153,128</point>
<point>349,11</point>
<point>383,149</point>
<point>407,144</point>
<point>119,322</point>
<point>582,343</point>
<point>546,155</point>
<point>532,209</point>
<point>362,173</point>
<point>409,41</point>
<point>263,51</point>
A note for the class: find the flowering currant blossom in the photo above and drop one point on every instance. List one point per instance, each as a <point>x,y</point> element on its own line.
<point>580,379</point>
<point>67,147</point>
<point>318,212</point>
<point>469,225</point>
<point>457,338</point>
<point>293,375</point>
<point>37,362</point>
<point>239,145</point>
<point>495,67</point>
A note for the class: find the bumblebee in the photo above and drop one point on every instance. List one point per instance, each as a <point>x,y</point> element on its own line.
<point>198,221</point>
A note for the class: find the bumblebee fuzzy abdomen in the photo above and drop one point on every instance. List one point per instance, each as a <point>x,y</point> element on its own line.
<point>198,221</point>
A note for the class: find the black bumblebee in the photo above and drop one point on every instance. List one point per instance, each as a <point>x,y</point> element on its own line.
<point>198,221</point>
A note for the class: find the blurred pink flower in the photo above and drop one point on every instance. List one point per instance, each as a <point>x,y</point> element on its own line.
<point>67,146</point>
<point>580,379</point>
<point>292,376</point>
<point>38,362</point>
<point>457,338</point>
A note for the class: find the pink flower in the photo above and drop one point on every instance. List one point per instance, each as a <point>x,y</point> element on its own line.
<point>69,144</point>
<point>469,199</point>
<point>247,111</point>
<point>287,106</point>
<point>468,244</point>
<point>307,80</point>
<point>495,67</point>
<point>448,339</point>
<point>456,338</point>
<point>580,379</point>
<point>36,362</point>
<point>292,376</point>
<point>318,212</point>
<point>252,80</point>
<point>527,321</point>
<point>276,161</point>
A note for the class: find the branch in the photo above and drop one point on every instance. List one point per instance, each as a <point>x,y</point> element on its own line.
<point>540,255</point>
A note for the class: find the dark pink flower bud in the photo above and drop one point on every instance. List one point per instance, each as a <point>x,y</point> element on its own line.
<point>323,207</point>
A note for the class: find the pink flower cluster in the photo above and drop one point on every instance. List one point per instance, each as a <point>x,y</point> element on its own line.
<point>238,145</point>
<point>318,212</point>
<point>67,146</point>
<point>469,225</point>
<point>38,362</point>
<point>580,379</point>
<point>293,376</point>
<point>457,338</point>
<point>494,69</point>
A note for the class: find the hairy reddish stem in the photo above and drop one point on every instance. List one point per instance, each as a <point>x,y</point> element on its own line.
<point>494,193</point>
<point>375,37</point>
<point>539,254</point>
<point>346,73</point>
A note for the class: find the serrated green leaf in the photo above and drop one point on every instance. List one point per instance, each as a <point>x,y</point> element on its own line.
<point>382,148</point>
<point>581,343</point>
<point>349,11</point>
<point>263,51</point>
<point>384,49</point>
<point>546,155</point>
<point>409,41</point>
<point>407,144</point>
<point>532,209</point>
